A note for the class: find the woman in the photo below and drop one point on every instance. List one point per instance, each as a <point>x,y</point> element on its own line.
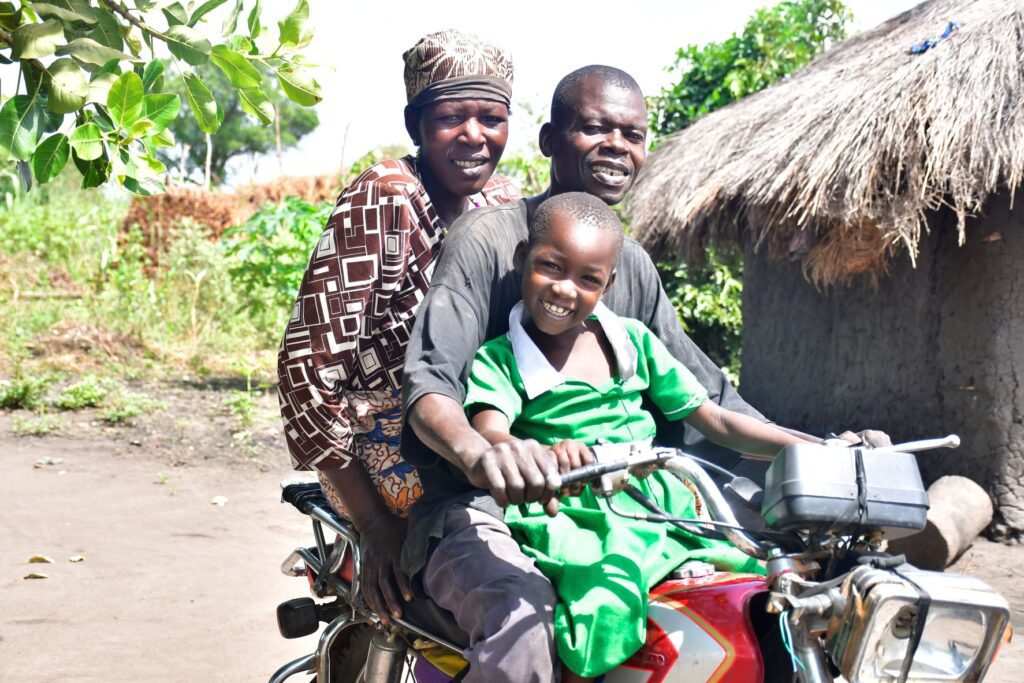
<point>340,362</point>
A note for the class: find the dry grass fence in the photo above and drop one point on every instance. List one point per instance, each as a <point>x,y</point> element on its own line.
<point>158,216</point>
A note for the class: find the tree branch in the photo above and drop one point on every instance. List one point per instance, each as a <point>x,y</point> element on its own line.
<point>134,21</point>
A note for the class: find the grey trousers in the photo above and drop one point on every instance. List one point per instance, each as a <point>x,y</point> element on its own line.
<point>498,597</point>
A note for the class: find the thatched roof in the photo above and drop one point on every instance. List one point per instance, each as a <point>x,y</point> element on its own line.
<point>841,162</point>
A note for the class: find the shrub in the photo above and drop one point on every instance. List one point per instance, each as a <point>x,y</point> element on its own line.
<point>86,393</point>
<point>708,300</point>
<point>129,405</point>
<point>269,254</point>
<point>26,393</point>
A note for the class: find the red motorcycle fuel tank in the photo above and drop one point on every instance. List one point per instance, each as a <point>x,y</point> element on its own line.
<point>698,629</point>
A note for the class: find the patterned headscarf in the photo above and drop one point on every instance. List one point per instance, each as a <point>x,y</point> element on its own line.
<point>449,65</point>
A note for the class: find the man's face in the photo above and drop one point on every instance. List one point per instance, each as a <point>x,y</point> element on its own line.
<point>566,272</point>
<point>603,144</point>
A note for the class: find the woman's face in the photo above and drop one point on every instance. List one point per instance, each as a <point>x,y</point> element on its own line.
<point>461,142</point>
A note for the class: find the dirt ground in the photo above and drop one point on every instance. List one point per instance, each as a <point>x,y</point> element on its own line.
<point>173,587</point>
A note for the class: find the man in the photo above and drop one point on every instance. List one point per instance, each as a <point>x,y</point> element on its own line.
<point>596,140</point>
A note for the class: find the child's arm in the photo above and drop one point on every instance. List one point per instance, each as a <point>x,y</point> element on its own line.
<point>492,424</point>
<point>741,432</point>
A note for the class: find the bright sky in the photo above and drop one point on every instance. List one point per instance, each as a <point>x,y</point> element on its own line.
<point>361,45</point>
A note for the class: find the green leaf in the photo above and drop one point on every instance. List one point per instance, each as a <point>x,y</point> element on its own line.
<point>256,103</point>
<point>107,31</point>
<point>204,9</point>
<point>144,186</point>
<point>254,20</point>
<point>32,41</point>
<point>299,85</point>
<point>153,76</point>
<point>175,14</point>
<point>131,39</point>
<point>52,121</point>
<point>125,99</point>
<point>140,128</point>
<point>50,157</point>
<point>87,141</point>
<point>68,87</point>
<point>237,68</point>
<point>241,44</point>
<point>94,172</point>
<point>46,9</point>
<point>99,87</point>
<point>205,108</point>
<point>231,23</point>
<point>293,28</point>
<point>161,109</point>
<point>21,125</point>
<point>188,44</point>
<point>10,17</point>
<point>164,138</point>
<point>89,51</point>
<point>111,67</point>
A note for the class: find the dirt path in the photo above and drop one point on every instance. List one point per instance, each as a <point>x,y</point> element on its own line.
<point>173,588</point>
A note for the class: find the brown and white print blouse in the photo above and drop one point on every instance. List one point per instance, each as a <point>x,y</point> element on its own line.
<point>340,362</point>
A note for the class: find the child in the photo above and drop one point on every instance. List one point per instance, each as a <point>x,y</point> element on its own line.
<point>571,372</point>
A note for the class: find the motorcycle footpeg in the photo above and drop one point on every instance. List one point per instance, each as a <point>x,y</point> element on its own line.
<point>297,618</point>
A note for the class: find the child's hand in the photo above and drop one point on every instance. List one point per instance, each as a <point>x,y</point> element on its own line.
<point>570,455</point>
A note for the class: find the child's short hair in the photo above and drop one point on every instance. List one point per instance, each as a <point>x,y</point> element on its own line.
<point>581,207</point>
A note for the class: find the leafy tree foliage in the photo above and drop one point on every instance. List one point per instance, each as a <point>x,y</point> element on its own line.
<point>97,61</point>
<point>239,133</point>
<point>775,42</point>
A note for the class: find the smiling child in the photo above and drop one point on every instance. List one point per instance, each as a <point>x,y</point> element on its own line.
<point>570,372</point>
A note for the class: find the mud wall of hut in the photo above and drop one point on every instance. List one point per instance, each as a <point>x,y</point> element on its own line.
<point>935,349</point>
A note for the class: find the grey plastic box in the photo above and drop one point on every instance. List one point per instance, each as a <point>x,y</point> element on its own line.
<point>808,485</point>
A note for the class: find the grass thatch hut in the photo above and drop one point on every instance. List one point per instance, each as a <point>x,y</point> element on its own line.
<point>873,195</point>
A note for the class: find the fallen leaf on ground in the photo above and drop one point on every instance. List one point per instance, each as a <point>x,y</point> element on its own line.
<point>220,501</point>
<point>40,559</point>
<point>76,558</point>
<point>35,575</point>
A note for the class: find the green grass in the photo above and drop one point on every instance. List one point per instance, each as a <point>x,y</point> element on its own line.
<point>89,392</point>
<point>68,266</point>
<point>26,393</point>
<point>129,405</point>
<point>36,425</point>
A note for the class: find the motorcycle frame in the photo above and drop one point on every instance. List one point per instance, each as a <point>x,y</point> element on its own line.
<point>326,573</point>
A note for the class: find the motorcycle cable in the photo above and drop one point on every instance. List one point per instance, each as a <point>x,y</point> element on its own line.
<point>690,524</point>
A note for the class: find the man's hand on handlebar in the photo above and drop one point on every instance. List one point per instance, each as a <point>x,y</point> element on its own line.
<point>515,472</point>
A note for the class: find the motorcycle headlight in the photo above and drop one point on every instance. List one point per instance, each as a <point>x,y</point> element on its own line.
<point>963,626</point>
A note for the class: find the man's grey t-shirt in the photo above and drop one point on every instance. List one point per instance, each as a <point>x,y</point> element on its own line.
<point>473,289</point>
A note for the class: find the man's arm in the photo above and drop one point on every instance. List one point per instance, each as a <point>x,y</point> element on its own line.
<point>512,471</point>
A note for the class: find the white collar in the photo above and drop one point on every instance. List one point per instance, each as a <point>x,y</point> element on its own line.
<point>538,374</point>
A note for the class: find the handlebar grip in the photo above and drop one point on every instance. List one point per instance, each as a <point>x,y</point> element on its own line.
<point>556,481</point>
<point>951,441</point>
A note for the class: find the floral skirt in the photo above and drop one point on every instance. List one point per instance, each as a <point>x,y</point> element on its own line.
<point>376,419</point>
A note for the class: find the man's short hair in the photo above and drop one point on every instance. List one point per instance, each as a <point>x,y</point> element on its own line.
<point>581,207</point>
<point>563,102</point>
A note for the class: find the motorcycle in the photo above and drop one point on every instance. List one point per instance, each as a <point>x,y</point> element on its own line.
<point>831,603</point>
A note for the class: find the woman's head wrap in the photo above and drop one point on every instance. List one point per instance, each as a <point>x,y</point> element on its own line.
<point>449,65</point>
